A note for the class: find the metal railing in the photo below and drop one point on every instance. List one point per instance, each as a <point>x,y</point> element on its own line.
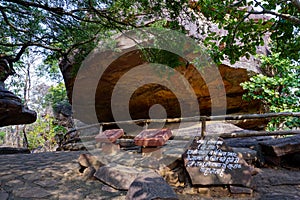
<point>204,119</point>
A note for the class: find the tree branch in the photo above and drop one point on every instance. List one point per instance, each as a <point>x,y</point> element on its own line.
<point>236,27</point>
<point>8,22</point>
<point>237,3</point>
<point>296,3</point>
<point>288,17</point>
<point>57,10</point>
<point>110,19</point>
<point>37,5</point>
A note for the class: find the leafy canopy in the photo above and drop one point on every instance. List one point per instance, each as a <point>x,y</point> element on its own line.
<point>56,95</point>
<point>278,89</point>
<point>62,26</point>
<point>230,29</point>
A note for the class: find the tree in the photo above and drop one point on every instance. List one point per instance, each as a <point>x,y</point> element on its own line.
<point>246,23</point>
<point>27,84</point>
<point>62,26</point>
<point>277,88</point>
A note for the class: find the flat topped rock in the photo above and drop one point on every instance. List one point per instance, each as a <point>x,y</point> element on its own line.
<point>150,186</point>
<point>281,146</point>
<point>109,135</point>
<point>13,111</point>
<point>153,137</point>
<point>119,176</point>
<point>209,161</point>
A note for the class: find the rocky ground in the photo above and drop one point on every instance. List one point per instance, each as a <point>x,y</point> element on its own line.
<point>56,175</point>
<point>52,175</point>
<point>105,174</point>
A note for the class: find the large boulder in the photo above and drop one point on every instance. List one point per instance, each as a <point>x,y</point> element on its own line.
<point>147,95</point>
<point>12,111</point>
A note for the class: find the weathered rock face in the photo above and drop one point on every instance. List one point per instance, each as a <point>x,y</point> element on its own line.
<point>12,111</point>
<point>147,95</point>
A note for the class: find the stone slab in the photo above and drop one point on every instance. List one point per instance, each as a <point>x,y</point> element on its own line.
<point>109,135</point>
<point>281,146</point>
<point>119,176</point>
<point>209,161</point>
<point>240,190</point>
<point>150,186</point>
<point>153,137</point>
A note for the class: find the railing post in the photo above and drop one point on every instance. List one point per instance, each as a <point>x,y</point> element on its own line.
<point>203,126</point>
<point>101,128</point>
<point>145,126</point>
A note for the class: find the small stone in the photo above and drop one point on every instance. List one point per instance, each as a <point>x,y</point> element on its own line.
<point>109,136</point>
<point>87,160</point>
<point>88,173</point>
<point>190,190</point>
<point>150,186</point>
<point>255,171</point>
<point>240,190</point>
<point>153,137</point>
<point>204,191</point>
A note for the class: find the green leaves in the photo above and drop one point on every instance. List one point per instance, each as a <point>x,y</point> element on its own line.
<point>43,133</point>
<point>246,25</point>
<point>56,95</point>
<point>278,89</point>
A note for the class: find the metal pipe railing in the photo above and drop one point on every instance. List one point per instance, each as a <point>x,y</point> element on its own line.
<point>204,119</point>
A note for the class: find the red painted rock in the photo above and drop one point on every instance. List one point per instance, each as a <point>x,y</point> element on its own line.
<point>109,135</point>
<point>153,137</point>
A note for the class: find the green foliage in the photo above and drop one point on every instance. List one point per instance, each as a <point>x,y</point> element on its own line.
<point>2,136</point>
<point>278,89</point>
<point>246,24</point>
<point>70,29</point>
<point>55,96</point>
<point>43,133</point>
<point>60,28</point>
<point>49,69</point>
